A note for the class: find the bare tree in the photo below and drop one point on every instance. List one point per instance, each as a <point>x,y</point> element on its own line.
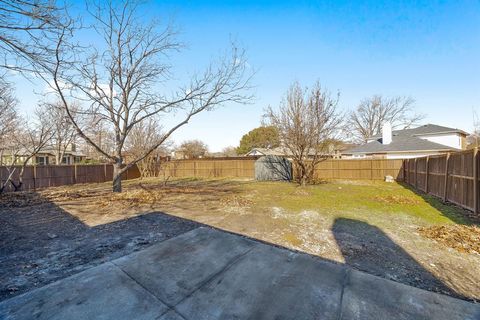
<point>473,140</point>
<point>142,138</point>
<point>121,82</point>
<point>63,131</point>
<point>29,138</point>
<point>192,149</point>
<point>8,112</point>
<point>368,118</point>
<point>307,120</point>
<point>27,28</point>
<point>230,151</point>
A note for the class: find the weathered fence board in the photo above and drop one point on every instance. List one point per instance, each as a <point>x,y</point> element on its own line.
<point>37,177</point>
<point>371,169</point>
<point>452,177</point>
<point>210,168</point>
<point>365,169</point>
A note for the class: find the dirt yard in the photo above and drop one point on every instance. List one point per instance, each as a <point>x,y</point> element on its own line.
<point>381,228</point>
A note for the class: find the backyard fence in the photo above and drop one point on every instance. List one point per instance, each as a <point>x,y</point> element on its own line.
<point>244,167</point>
<point>452,177</point>
<point>364,169</point>
<point>239,167</point>
<point>36,177</point>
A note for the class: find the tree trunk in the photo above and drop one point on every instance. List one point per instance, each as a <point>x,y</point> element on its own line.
<point>117,177</point>
<point>303,180</point>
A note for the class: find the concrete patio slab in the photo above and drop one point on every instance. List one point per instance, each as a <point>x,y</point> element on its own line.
<point>367,296</point>
<point>173,271</point>
<point>103,292</point>
<point>269,283</point>
<point>210,274</point>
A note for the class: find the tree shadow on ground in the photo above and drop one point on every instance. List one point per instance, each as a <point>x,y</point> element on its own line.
<point>38,247</point>
<point>369,249</point>
<point>40,242</point>
<point>449,210</point>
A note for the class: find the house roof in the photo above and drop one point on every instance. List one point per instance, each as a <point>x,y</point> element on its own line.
<point>23,152</point>
<point>270,152</point>
<point>283,151</point>
<point>427,129</point>
<point>400,143</point>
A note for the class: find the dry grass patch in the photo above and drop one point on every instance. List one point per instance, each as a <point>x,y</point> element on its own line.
<point>462,238</point>
<point>131,198</point>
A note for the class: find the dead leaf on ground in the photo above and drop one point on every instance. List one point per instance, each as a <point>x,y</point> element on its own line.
<point>459,237</point>
<point>236,201</point>
<point>21,199</point>
<point>396,199</point>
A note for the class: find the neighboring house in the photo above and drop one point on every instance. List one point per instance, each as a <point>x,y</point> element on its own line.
<point>334,151</point>
<point>45,157</point>
<point>268,152</point>
<point>429,139</point>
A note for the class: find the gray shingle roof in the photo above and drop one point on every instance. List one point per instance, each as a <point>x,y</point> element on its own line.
<point>398,144</point>
<point>426,129</point>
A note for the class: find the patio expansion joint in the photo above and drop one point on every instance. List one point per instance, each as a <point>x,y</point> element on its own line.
<point>144,288</point>
<point>230,264</point>
<point>345,281</point>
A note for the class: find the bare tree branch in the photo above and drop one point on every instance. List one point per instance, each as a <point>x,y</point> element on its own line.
<point>121,82</point>
<point>368,118</point>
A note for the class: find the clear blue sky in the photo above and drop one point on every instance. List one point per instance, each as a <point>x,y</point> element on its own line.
<point>429,50</point>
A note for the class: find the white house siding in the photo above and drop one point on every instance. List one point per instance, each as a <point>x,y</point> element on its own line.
<point>452,140</point>
<point>409,155</point>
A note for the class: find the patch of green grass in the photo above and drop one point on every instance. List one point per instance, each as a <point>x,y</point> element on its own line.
<point>360,200</point>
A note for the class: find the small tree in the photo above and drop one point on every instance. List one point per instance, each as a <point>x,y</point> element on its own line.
<point>261,137</point>
<point>141,138</point>
<point>306,120</point>
<point>370,115</point>
<point>28,139</point>
<point>229,152</point>
<point>63,130</point>
<point>192,149</point>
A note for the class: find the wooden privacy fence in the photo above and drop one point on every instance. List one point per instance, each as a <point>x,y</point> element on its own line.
<point>365,169</point>
<point>241,167</point>
<point>244,167</point>
<point>53,176</point>
<point>452,177</point>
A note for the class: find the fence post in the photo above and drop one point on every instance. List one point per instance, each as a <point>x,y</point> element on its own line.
<point>371,169</point>
<point>407,171</point>
<point>104,172</point>
<point>426,174</point>
<point>34,177</point>
<point>475,180</point>
<point>416,178</point>
<point>74,173</point>
<point>445,184</point>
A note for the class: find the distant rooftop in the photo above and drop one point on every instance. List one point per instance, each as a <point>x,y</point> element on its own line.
<point>407,140</point>
<point>427,129</point>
